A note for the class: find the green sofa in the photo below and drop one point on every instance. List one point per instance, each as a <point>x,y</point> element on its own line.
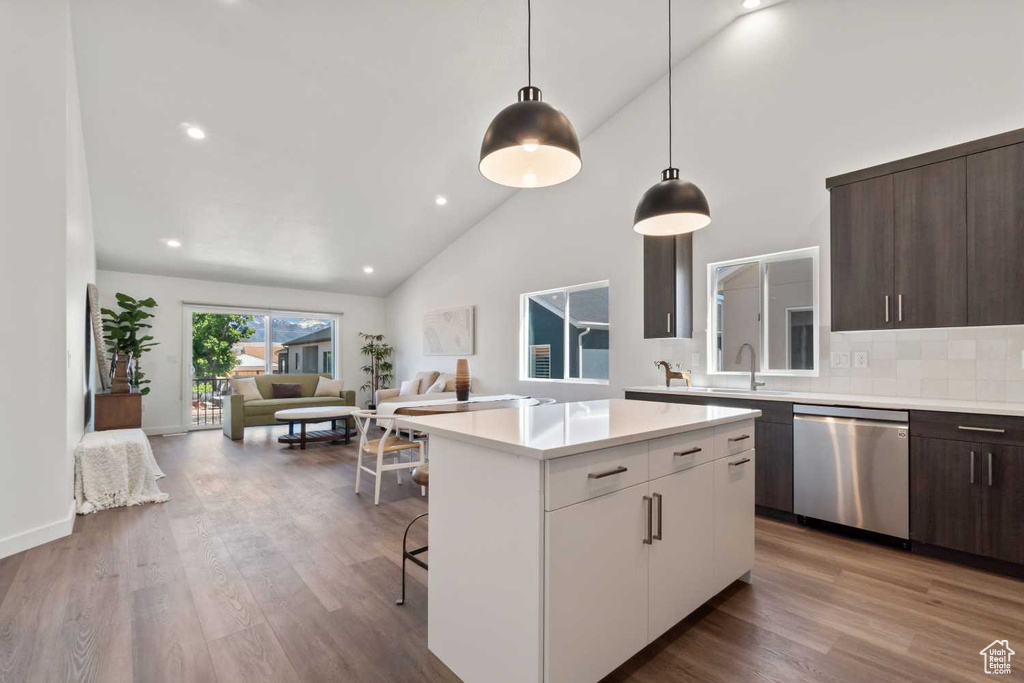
<point>239,414</point>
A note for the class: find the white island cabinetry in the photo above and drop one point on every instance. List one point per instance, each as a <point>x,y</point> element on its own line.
<point>565,538</point>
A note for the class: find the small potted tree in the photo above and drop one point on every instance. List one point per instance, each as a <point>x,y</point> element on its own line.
<point>123,331</point>
<point>378,368</point>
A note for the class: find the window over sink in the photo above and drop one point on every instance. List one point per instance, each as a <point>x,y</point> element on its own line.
<point>564,334</point>
<point>771,303</point>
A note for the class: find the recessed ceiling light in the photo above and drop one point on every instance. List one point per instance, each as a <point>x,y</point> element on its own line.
<point>751,4</point>
<point>195,132</point>
<point>174,244</point>
<point>367,269</point>
<point>440,200</point>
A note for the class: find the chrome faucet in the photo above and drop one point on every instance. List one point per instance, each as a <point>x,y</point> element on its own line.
<point>754,384</point>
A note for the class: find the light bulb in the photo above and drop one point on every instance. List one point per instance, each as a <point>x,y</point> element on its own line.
<point>530,146</point>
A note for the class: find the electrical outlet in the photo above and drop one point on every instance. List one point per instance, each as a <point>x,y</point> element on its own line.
<point>694,361</point>
<point>860,359</point>
<point>840,359</point>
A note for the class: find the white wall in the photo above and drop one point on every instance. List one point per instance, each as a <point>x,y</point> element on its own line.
<point>764,112</point>
<point>162,407</point>
<point>46,258</point>
<point>80,267</point>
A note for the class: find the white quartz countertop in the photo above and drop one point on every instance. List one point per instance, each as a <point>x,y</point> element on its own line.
<point>884,402</point>
<point>560,429</point>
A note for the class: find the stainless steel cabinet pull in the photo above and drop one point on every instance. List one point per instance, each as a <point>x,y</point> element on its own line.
<point>972,467</point>
<point>601,475</point>
<point>899,308</point>
<point>886,308</point>
<point>739,438</point>
<point>668,322</point>
<point>990,468</point>
<point>650,534</point>
<point>739,462</point>
<point>657,497</point>
<point>990,430</point>
<point>691,451</point>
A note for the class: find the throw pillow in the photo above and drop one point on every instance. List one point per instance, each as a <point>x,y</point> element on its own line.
<point>283,390</point>
<point>438,386</point>
<point>329,387</point>
<point>247,388</point>
<point>410,387</point>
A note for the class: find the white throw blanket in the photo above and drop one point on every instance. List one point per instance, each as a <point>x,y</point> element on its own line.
<point>390,407</point>
<point>114,469</point>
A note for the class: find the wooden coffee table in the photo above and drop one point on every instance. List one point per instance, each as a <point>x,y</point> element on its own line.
<point>304,416</point>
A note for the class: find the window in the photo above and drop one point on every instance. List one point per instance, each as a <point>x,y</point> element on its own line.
<point>771,303</point>
<point>327,362</point>
<point>564,334</point>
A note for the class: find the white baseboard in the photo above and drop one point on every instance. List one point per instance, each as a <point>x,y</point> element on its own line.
<point>158,431</point>
<point>12,545</point>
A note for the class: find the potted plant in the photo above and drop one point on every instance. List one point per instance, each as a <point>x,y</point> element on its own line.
<point>379,368</point>
<point>123,332</point>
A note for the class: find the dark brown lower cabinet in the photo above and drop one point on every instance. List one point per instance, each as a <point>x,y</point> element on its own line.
<point>1002,474</point>
<point>773,484</point>
<point>968,496</point>
<point>945,505</point>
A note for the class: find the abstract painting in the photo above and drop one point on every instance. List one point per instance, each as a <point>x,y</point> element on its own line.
<point>448,332</point>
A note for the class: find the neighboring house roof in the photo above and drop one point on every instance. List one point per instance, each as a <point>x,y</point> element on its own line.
<point>321,335</point>
<point>247,361</point>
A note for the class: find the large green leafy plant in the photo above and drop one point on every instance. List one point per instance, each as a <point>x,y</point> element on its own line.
<point>379,368</point>
<point>124,333</point>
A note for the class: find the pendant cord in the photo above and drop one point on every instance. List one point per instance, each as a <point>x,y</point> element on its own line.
<point>669,83</point>
<point>529,43</point>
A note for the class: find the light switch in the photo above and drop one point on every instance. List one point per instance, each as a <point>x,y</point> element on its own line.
<point>860,359</point>
<point>694,360</point>
<point>840,359</point>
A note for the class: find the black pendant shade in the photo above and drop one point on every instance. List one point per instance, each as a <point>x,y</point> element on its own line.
<point>530,144</point>
<point>672,207</point>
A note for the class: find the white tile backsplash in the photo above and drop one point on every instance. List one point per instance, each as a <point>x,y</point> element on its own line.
<point>984,364</point>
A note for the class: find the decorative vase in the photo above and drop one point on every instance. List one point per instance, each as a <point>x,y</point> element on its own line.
<point>462,379</point>
<point>121,384</point>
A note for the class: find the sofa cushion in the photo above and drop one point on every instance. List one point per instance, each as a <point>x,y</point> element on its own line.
<point>268,406</point>
<point>265,383</point>
<point>329,387</point>
<point>425,379</point>
<point>246,388</point>
<point>287,390</point>
<point>410,387</point>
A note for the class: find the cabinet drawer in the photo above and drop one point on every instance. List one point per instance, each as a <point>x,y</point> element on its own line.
<point>681,451</point>
<point>580,477</point>
<point>733,518</point>
<point>995,429</point>
<point>734,438</point>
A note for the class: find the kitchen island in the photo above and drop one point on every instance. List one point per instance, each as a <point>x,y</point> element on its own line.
<point>564,538</point>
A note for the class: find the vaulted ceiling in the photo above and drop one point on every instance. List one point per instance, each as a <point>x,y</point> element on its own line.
<point>332,126</point>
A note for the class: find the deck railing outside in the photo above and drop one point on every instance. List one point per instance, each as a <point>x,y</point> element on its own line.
<point>208,397</point>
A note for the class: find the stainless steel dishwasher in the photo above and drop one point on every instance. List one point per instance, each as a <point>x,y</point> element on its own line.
<point>851,467</point>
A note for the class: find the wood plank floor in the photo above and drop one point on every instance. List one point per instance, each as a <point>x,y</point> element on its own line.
<point>264,566</point>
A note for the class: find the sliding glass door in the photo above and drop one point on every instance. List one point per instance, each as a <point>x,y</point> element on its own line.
<point>223,344</point>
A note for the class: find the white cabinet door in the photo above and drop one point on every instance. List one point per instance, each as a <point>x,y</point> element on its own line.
<point>733,518</point>
<point>681,560</point>
<point>596,585</point>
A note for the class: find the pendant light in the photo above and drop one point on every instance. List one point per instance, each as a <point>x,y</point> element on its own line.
<point>530,143</point>
<point>673,206</point>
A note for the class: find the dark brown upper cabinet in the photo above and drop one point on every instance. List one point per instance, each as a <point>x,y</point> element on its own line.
<point>862,255</point>
<point>934,240</point>
<point>668,287</point>
<point>995,236</point>
<point>931,245</point>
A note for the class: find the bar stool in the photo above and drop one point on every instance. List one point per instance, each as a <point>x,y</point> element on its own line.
<point>420,476</point>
